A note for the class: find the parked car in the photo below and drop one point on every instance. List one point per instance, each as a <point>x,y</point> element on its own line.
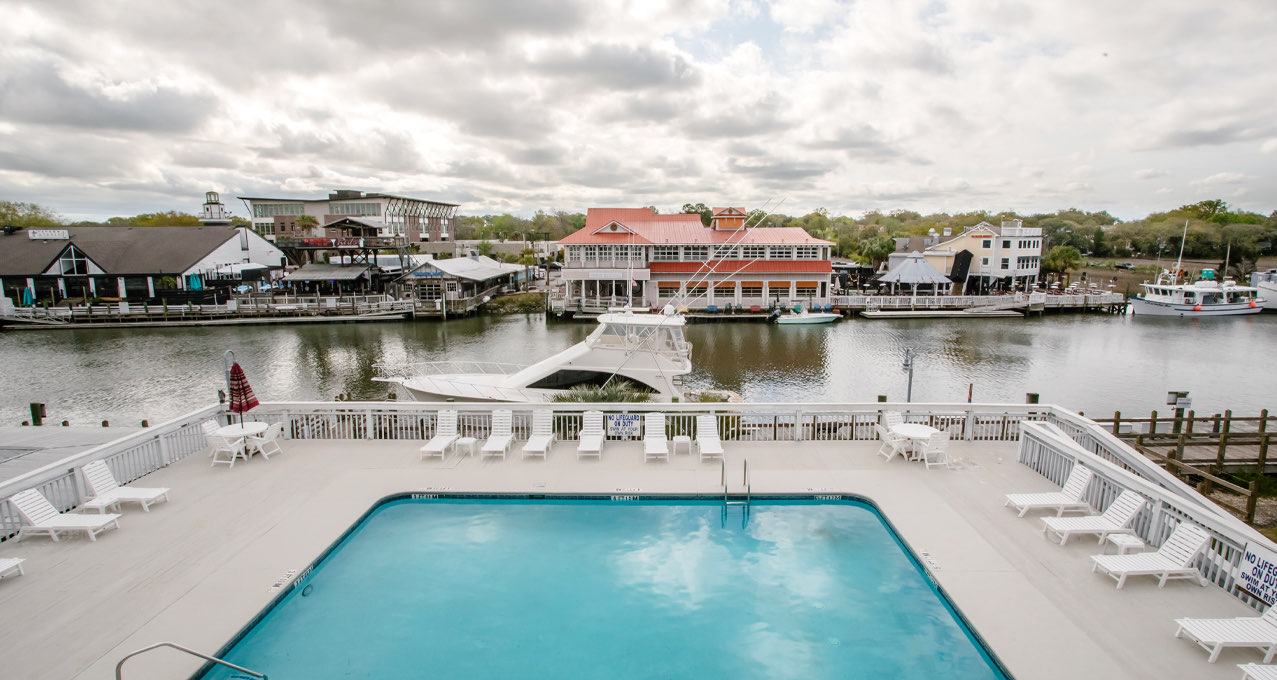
<point>1125,265</point>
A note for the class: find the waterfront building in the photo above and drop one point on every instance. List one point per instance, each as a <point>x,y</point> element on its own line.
<point>986,257</point>
<point>652,260</point>
<point>462,281</point>
<point>413,219</point>
<point>128,263</point>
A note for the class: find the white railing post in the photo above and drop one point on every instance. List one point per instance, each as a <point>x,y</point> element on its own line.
<point>969,428</point>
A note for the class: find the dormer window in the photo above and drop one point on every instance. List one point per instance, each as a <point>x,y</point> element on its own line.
<point>73,263</point>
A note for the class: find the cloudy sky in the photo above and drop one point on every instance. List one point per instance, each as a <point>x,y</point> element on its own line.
<point>122,107</point>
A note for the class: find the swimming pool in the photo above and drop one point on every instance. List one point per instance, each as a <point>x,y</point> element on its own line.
<point>558,588</point>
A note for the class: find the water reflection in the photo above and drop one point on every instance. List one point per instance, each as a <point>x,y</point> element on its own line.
<point>1095,363</point>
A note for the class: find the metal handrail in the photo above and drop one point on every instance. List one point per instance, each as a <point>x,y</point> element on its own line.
<point>119,666</point>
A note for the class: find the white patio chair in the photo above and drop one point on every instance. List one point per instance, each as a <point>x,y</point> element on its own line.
<point>1116,519</point>
<point>226,450</point>
<point>892,444</point>
<point>707,439</point>
<point>542,435</point>
<point>107,493</point>
<point>446,435</point>
<point>1069,498</point>
<point>891,419</point>
<point>656,445</point>
<point>267,443</point>
<point>935,452</point>
<point>1173,560</point>
<point>502,435</point>
<point>590,439</point>
<point>1254,671</point>
<point>43,518</point>
<point>1214,635</point>
<point>10,566</point>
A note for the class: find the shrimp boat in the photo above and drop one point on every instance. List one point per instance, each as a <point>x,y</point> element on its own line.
<point>646,349</point>
<point>1205,297</point>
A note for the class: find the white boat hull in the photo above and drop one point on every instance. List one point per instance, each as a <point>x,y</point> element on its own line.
<point>1140,306</point>
<point>819,317</point>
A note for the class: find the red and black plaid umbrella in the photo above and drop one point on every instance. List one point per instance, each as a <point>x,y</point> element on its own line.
<point>241,396</point>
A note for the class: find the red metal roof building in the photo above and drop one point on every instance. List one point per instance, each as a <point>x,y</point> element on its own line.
<point>649,259</point>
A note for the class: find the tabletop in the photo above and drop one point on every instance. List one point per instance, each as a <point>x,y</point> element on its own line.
<point>236,430</point>
<point>914,430</point>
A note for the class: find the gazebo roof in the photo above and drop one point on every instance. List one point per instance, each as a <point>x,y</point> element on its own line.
<point>914,270</point>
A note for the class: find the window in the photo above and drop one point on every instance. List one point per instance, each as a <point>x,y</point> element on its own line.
<point>984,261</point>
<point>360,209</point>
<point>695,253</point>
<point>782,252</point>
<point>807,252</point>
<point>573,254</point>
<point>591,252</point>
<point>665,254</point>
<point>605,252</point>
<point>751,290</point>
<point>667,292</point>
<point>1006,243</point>
<point>727,252</point>
<point>274,209</point>
<point>73,263</point>
<point>1006,263</point>
<point>753,252</point>
<point>986,243</point>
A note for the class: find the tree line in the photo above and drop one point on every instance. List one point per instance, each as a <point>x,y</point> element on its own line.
<point>1214,230</point>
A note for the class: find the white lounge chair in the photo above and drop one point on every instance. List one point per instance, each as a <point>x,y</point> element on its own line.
<point>1254,671</point>
<point>43,518</point>
<point>590,439</point>
<point>892,444</point>
<point>656,445</point>
<point>1116,519</point>
<point>707,440</point>
<point>502,435</point>
<point>1173,560</point>
<point>542,435</point>
<point>107,493</point>
<point>1067,499</point>
<point>935,452</point>
<point>1214,635</point>
<point>267,443</point>
<point>446,435</point>
<point>10,566</point>
<point>891,419</point>
<point>226,450</point>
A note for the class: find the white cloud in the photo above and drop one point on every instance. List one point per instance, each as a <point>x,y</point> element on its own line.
<point>523,105</point>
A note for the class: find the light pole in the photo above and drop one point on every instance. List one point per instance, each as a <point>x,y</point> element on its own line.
<point>907,367</point>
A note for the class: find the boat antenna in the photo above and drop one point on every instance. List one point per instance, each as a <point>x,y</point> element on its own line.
<point>1182,239</point>
<point>705,270</point>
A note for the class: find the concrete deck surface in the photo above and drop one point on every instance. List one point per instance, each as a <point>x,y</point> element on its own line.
<point>198,568</point>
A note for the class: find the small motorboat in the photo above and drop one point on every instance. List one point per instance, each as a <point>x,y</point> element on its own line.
<point>801,315</point>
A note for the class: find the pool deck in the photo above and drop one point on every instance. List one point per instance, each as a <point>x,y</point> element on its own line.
<point>196,569</point>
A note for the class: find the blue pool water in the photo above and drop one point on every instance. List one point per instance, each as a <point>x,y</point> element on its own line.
<point>613,589</point>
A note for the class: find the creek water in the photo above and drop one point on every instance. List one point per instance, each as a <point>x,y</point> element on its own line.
<point>1088,362</point>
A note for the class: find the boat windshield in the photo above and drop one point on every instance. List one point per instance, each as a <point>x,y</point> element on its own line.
<point>661,339</point>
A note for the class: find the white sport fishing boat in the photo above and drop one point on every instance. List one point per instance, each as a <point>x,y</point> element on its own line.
<point>646,349</point>
<point>1205,297</point>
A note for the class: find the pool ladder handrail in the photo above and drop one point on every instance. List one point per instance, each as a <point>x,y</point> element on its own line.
<point>744,482</point>
<point>120,666</point>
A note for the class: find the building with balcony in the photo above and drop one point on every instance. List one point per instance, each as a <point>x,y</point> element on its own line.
<point>638,256</point>
<point>987,257</point>
<point>412,219</point>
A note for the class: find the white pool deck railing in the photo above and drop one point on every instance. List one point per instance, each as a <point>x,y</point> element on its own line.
<point>196,570</point>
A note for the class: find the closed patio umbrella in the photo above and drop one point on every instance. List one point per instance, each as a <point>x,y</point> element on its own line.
<point>241,393</point>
